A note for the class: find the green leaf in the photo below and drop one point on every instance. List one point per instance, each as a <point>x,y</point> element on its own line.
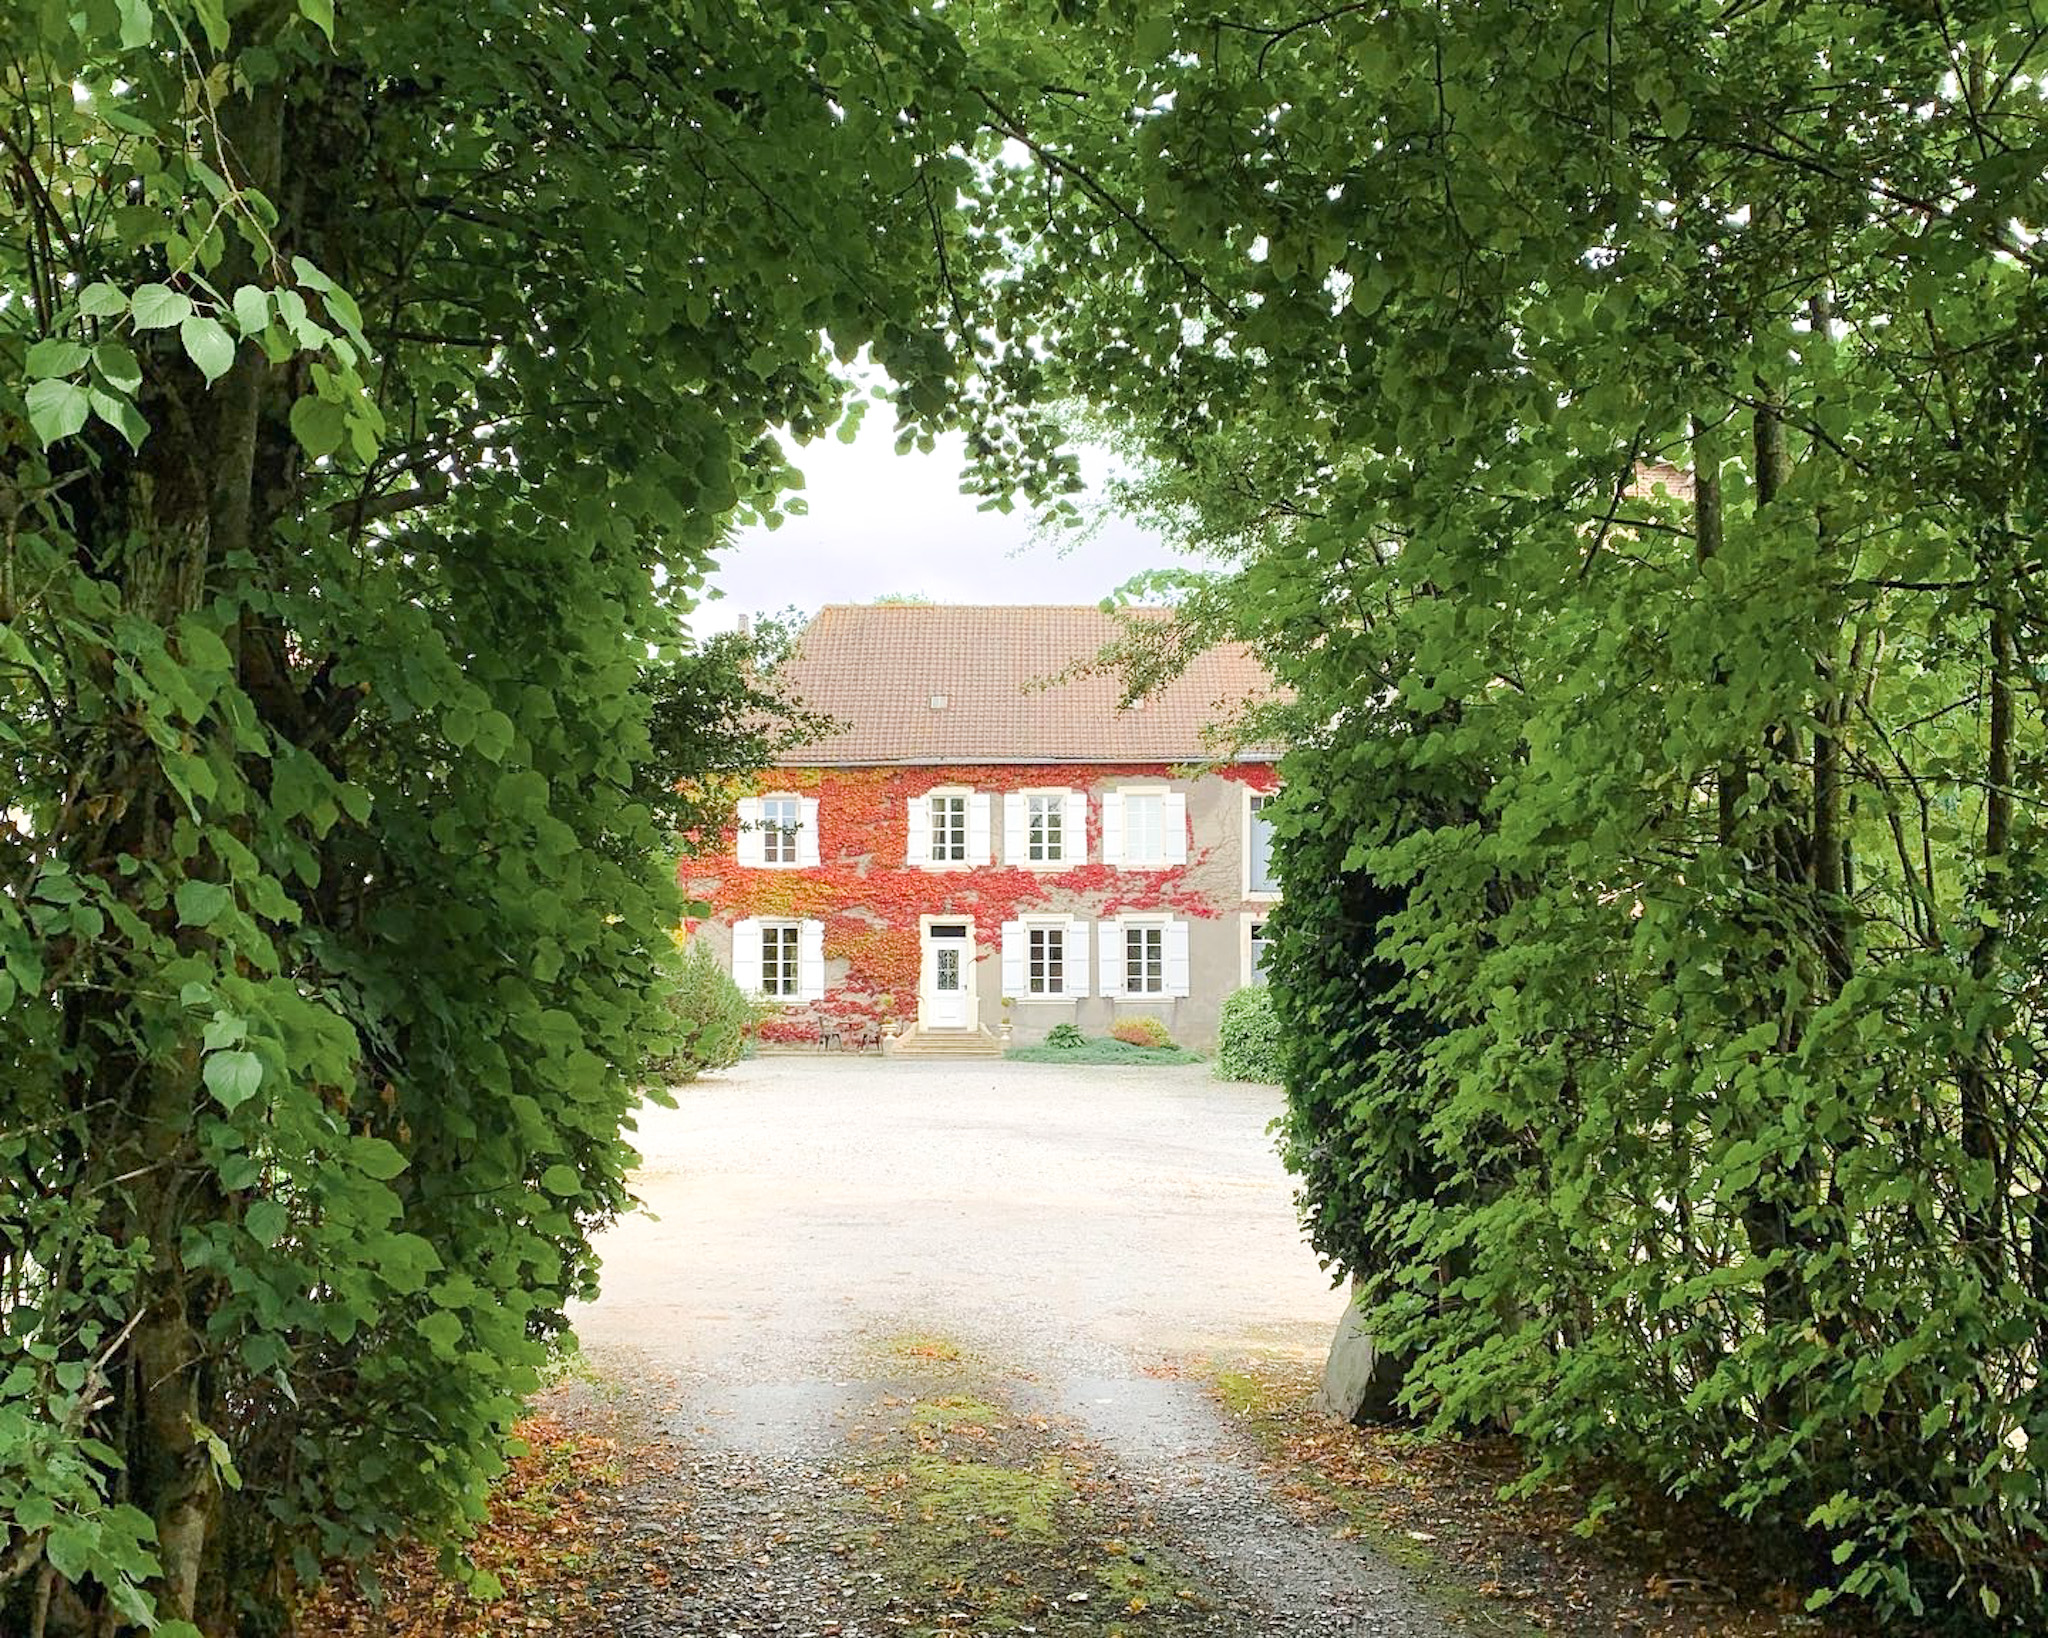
<point>201,903</point>
<point>57,409</point>
<point>159,307</point>
<point>266,1220</point>
<point>374,1157</point>
<point>120,414</point>
<point>233,1077</point>
<point>320,13</point>
<point>55,355</point>
<point>102,300</point>
<point>213,18</point>
<point>252,309</point>
<point>208,345</point>
<point>562,1180</point>
<point>138,25</point>
<point>318,425</point>
<point>443,1331</point>
<point>117,366</point>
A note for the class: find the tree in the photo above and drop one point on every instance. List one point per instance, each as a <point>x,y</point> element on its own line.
<point>1625,424</point>
<point>371,394</point>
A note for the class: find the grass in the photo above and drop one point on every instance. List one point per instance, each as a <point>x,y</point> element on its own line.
<point>1094,1051</point>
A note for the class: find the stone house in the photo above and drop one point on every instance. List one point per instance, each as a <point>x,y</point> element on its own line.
<point>988,843</point>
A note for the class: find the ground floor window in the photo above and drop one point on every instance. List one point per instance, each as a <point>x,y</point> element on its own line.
<point>1045,961</point>
<point>1144,961</point>
<point>779,960</point>
<point>782,960</point>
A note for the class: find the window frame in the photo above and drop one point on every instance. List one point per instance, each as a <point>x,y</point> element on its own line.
<point>1254,802</point>
<point>1039,953</point>
<point>791,962</point>
<point>779,846</point>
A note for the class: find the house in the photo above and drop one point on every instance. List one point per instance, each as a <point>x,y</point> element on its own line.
<point>986,845</point>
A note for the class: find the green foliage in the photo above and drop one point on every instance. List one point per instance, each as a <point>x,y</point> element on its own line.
<point>1087,1051</point>
<point>1065,1036</point>
<point>1141,1031</point>
<point>1660,971</point>
<point>1248,1037</point>
<point>712,1020</point>
<point>372,395</point>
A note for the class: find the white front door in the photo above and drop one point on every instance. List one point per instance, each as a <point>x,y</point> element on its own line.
<point>948,950</point>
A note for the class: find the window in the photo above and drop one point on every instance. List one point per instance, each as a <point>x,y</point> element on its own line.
<point>1144,957</point>
<point>1144,833</point>
<point>1144,961</point>
<point>949,829</point>
<point>782,960</point>
<point>1144,827</point>
<point>780,976</point>
<point>1256,949</point>
<point>1045,830</point>
<point>1045,958</point>
<point>1044,825</point>
<point>1259,880</point>
<point>1045,961</point>
<point>781,819</point>
<point>778,832</point>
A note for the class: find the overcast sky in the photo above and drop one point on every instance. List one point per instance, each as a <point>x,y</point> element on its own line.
<point>880,523</point>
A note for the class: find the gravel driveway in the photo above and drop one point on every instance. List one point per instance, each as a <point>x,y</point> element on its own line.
<point>851,1271</point>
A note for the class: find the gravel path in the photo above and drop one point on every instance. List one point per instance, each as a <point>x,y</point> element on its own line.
<point>903,1346</point>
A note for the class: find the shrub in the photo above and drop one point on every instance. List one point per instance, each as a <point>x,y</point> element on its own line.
<point>1144,1032</point>
<point>1248,1041</point>
<point>711,1018</point>
<point>1065,1036</point>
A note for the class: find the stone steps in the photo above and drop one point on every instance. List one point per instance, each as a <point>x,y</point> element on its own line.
<point>951,1043</point>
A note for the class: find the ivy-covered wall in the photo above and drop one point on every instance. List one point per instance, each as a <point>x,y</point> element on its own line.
<point>870,899</point>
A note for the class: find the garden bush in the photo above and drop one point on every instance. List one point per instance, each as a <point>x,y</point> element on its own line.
<point>1065,1036</point>
<point>1248,1040</point>
<point>1143,1032</point>
<point>711,1016</point>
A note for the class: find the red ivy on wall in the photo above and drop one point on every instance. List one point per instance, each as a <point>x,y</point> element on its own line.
<point>870,900</point>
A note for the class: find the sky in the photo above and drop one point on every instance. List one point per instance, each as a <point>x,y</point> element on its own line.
<point>882,524</point>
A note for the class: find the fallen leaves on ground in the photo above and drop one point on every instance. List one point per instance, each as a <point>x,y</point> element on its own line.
<point>1436,1504</point>
<point>536,1542</point>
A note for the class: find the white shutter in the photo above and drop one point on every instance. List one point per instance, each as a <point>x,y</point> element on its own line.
<point>807,837</point>
<point>746,955</point>
<point>1112,827</point>
<point>978,828</point>
<point>1176,944</point>
<point>919,848</point>
<point>1074,833</point>
<point>1077,958</point>
<point>1016,828</point>
<point>1013,959</point>
<point>1109,941</point>
<point>810,960</point>
<point>749,850</point>
<point>1173,828</point>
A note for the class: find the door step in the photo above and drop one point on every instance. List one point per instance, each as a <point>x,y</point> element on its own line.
<point>942,1043</point>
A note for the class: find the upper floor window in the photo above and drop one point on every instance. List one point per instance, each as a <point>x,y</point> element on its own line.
<point>948,828</point>
<point>1044,829</point>
<point>781,821</point>
<point>778,831</point>
<point>1259,880</point>
<point>1144,827</point>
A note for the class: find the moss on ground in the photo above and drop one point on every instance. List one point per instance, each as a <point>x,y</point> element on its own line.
<point>980,1510</point>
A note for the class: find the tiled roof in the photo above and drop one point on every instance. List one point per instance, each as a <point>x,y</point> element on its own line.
<point>877,669</point>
